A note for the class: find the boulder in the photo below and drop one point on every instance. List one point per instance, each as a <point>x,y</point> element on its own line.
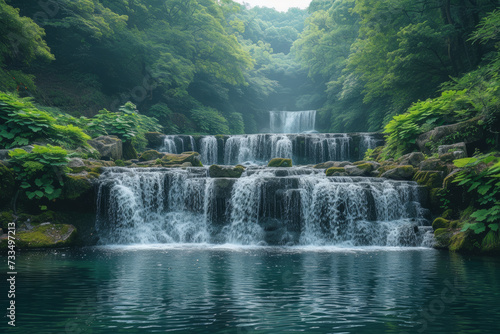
<point>449,157</point>
<point>334,171</point>
<point>434,165</point>
<point>413,159</point>
<point>216,171</point>
<point>280,162</point>
<point>440,223</point>
<point>443,149</point>
<point>178,159</point>
<point>342,163</point>
<point>470,131</point>
<point>400,173</point>
<point>155,139</point>
<point>325,165</point>
<point>44,235</point>
<point>128,151</point>
<point>76,163</point>
<point>109,147</point>
<point>352,170</point>
<point>151,155</point>
<point>430,179</point>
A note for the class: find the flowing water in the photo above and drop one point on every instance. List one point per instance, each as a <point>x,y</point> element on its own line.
<point>266,206</point>
<point>235,290</point>
<point>292,121</point>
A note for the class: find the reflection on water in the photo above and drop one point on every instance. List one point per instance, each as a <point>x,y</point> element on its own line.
<point>206,289</point>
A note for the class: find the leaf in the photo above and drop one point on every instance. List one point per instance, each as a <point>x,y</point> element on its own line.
<point>493,227</point>
<point>463,162</point>
<point>39,193</point>
<point>480,215</point>
<point>39,182</point>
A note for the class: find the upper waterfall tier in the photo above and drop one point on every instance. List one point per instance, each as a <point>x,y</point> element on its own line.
<point>292,121</point>
<point>274,206</point>
<point>258,149</point>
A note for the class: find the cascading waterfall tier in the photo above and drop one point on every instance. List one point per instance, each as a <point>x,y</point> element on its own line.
<point>292,121</point>
<point>266,206</point>
<point>258,149</point>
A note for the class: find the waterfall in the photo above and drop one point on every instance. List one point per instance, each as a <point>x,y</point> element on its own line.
<point>177,144</point>
<point>274,206</point>
<point>292,121</point>
<point>209,150</point>
<point>169,145</point>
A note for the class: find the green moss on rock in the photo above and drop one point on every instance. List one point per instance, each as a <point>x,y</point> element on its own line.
<point>150,155</point>
<point>430,179</point>
<point>47,236</point>
<point>129,151</point>
<point>78,185</point>
<point>280,162</point>
<point>461,242</point>
<point>216,171</point>
<point>332,170</point>
<point>366,167</point>
<point>440,223</point>
<point>179,159</point>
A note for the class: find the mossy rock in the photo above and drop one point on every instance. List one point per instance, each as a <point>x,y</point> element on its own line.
<point>366,167</point>
<point>440,223</point>
<point>280,162</point>
<point>155,139</point>
<point>325,165</point>
<point>387,167</point>
<point>430,179</point>
<point>400,173</point>
<point>433,165</point>
<point>333,170</point>
<point>216,171</point>
<point>443,237</point>
<point>7,185</point>
<point>46,235</point>
<point>491,243</point>
<point>178,159</point>
<point>129,151</point>
<point>78,185</point>
<point>359,163</point>
<point>150,155</point>
<point>462,242</point>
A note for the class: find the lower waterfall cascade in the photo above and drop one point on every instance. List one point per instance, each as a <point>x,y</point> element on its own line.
<point>266,206</point>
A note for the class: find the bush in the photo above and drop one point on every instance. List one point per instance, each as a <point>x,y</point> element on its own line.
<point>21,123</point>
<point>209,121</point>
<point>40,172</point>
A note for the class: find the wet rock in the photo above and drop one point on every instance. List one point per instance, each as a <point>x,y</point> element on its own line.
<point>354,170</point>
<point>334,171</point>
<point>178,159</point>
<point>109,147</point>
<point>216,171</point>
<point>325,165</point>
<point>430,179</point>
<point>443,149</point>
<point>280,162</point>
<point>155,139</point>
<point>433,165</point>
<point>151,155</point>
<point>413,159</point>
<point>400,173</point>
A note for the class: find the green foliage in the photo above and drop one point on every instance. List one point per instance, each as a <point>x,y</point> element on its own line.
<point>480,178</point>
<point>21,124</point>
<point>40,172</point>
<point>209,121</point>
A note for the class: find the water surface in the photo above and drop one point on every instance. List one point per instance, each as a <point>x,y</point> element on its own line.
<point>226,289</point>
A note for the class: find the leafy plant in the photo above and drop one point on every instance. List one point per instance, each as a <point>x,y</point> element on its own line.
<point>40,171</point>
<point>481,177</point>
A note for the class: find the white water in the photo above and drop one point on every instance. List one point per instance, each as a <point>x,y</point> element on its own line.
<point>292,121</point>
<point>297,206</point>
<point>209,150</point>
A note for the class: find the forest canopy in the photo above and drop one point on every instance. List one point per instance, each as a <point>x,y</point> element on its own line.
<point>207,66</point>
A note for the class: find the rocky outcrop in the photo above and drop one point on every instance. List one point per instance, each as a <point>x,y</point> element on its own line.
<point>44,235</point>
<point>400,173</point>
<point>413,159</point>
<point>280,162</point>
<point>335,171</point>
<point>470,132</point>
<point>155,139</point>
<point>216,171</point>
<point>109,147</point>
<point>172,160</point>
<point>443,149</point>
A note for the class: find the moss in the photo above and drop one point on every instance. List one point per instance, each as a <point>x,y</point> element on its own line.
<point>440,231</point>
<point>386,168</point>
<point>280,162</point>
<point>7,185</point>
<point>491,242</point>
<point>440,223</point>
<point>47,236</point>
<point>366,167</point>
<point>216,171</point>
<point>150,155</point>
<point>461,241</point>
<point>332,170</point>
<point>219,137</point>
<point>443,238</point>
<point>120,163</point>
<point>179,159</point>
<point>430,179</point>
<point>447,214</point>
<point>359,163</point>
<point>76,186</point>
<point>128,151</point>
